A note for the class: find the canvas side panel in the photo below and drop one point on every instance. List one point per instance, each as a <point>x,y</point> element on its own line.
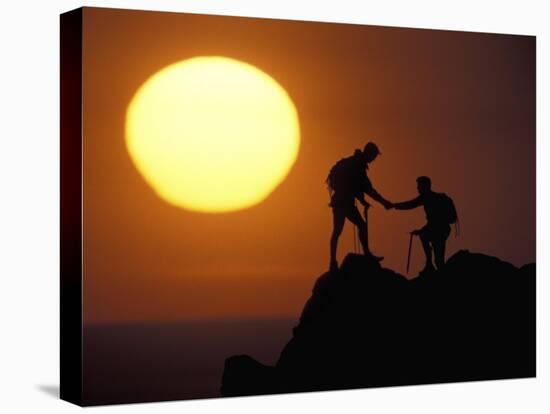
<point>71,207</point>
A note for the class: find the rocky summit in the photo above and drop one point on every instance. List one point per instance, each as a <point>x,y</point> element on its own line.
<point>367,326</point>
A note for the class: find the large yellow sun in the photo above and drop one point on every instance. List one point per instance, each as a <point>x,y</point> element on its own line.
<point>212,134</point>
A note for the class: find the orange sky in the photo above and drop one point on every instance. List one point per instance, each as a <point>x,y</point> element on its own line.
<point>459,107</point>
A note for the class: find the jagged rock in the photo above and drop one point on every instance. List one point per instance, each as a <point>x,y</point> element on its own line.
<point>243,375</point>
<point>367,326</point>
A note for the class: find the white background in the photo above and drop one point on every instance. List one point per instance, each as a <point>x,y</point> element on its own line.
<point>29,207</point>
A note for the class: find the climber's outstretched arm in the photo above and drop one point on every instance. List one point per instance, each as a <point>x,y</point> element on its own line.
<point>409,205</point>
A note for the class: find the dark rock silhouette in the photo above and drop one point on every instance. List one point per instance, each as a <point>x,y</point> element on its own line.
<point>366,326</point>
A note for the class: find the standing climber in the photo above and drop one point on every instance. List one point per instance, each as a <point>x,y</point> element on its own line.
<point>347,182</point>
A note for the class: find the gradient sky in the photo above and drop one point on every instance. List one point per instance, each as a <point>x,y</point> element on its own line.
<point>459,107</point>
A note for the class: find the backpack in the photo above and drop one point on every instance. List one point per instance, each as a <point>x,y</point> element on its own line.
<point>343,175</point>
<point>446,211</point>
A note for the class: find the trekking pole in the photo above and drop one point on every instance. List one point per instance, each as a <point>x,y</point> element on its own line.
<point>409,256</point>
<point>355,236</point>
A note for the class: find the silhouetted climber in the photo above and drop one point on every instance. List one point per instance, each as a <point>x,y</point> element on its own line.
<point>440,214</point>
<point>348,181</point>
